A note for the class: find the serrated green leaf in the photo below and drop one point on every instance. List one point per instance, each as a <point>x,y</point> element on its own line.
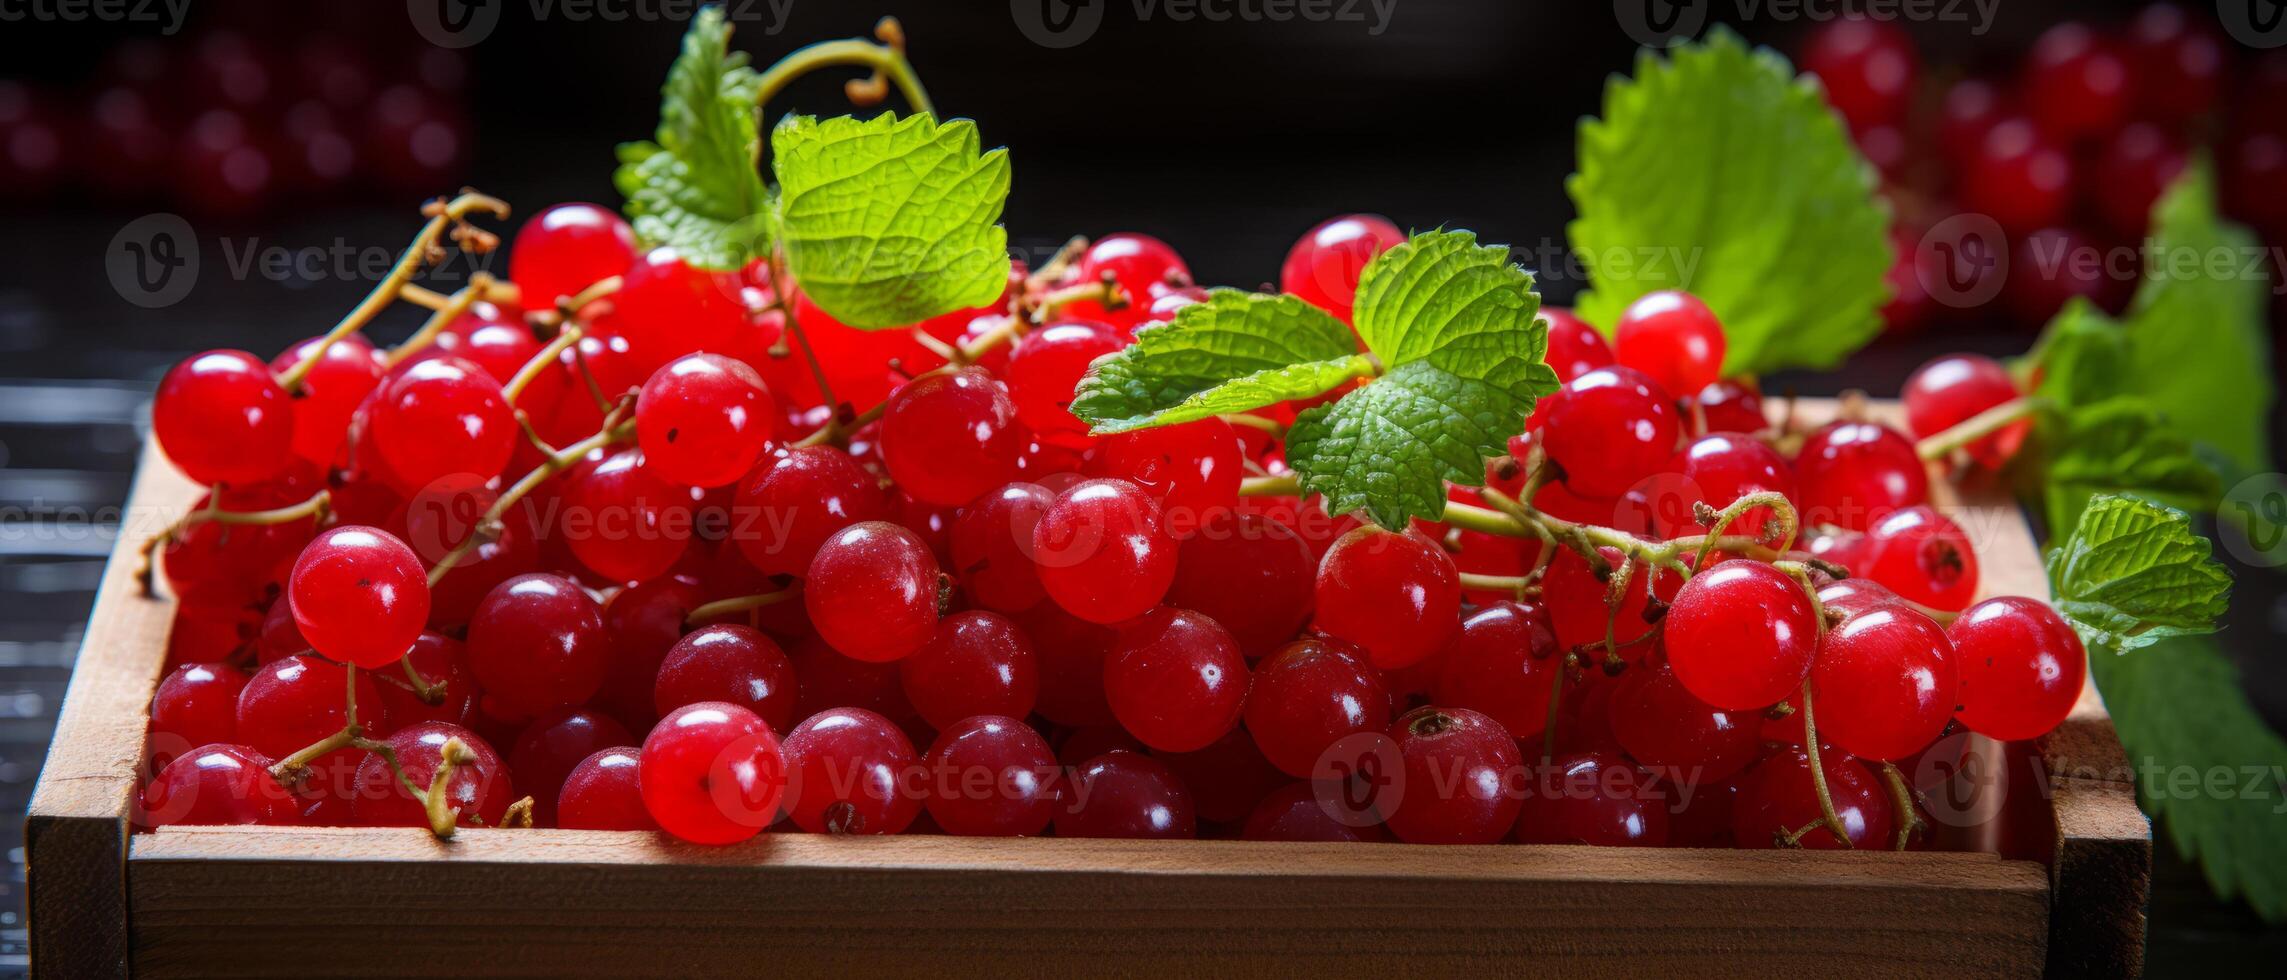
<point>1234,352</point>
<point>891,220</point>
<point>2083,358</point>
<point>2134,573</point>
<point>2181,713</point>
<point>2124,445</point>
<point>696,187</point>
<point>1390,447</point>
<point>1719,172</point>
<point>1442,298</point>
<point>2198,327</point>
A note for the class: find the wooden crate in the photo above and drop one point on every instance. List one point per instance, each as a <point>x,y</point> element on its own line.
<point>2059,885</point>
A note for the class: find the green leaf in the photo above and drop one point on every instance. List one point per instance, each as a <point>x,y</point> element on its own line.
<point>890,221</point>
<point>2124,445</point>
<point>2083,358</point>
<point>696,188</point>
<point>2182,715</point>
<point>1460,327</point>
<point>1719,172</point>
<point>1235,352</point>
<point>2135,573</point>
<point>2198,326</point>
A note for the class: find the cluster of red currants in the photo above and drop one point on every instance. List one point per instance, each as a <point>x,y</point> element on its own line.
<point>2066,155</point>
<point>232,122</point>
<point>659,559</point>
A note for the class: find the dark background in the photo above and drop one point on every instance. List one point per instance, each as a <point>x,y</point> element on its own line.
<point>1226,139</point>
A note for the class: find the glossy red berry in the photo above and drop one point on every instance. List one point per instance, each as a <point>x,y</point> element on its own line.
<point>1323,267</point>
<point>977,663</point>
<point>567,248</point>
<point>1192,469</point>
<point>222,418</point>
<point>712,773</point>
<point>790,504</point>
<point>195,705</point>
<point>2076,84</point>
<point>991,776</point>
<point>1741,635</point>
<point>1593,798</point>
<point>1175,679</point>
<point>731,663</point>
<point>1576,602</point>
<point>479,786</point>
<point>1104,554</point>
<point>872,592</point>
<point>1503,664</point>
<point>2019,177</point>
<point>1459,769</point>
<point>538,642</point>
<point>1574,347</point>
<point>1776,798</point>
<point>1396,595</point>
<point>441,417</point>
<point>1673,338</point>
<point>622,520</point>
<point>949,437</point>
<point>550,747</point>
<point>1956,388</point>
<point>1853,474</point>
<point>1045,367</point>
<point>217,785</point>
<point>992,547</point>
<point>1867,66</point>
<point>1677,736</point>
<point>851,771</point>
<point>603,792</point>
<point>703,419</point>
<point>1071,652</point>
<point>1250,573</point>
<point>1139,264</point>
<point>2021,668</point>
<point>359,596</point>
<point>348,371</point>
<point>1309,696</point>
<point>292,703</point>
<point>1294,812</point>
<point>2178,62</point>
<point>1124,795</point>
<point>1607,429</point>
<point>668,308</point>
<point>1719,470</point>
<point>1923,557</point>
<point>1884,683</point>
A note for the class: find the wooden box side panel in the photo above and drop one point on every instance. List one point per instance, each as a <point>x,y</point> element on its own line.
<point>592,904</point>
<point>75,833</point>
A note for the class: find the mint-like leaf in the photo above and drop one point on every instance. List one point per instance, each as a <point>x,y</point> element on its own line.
<point>890,221</point>
<point>1458,325</point>
<point>2135,573</point>
<point>697,188</point>
<point>1719,172</point>
<point>2124,445</point>
<point>2180,708</point>
<point>1235,352</point>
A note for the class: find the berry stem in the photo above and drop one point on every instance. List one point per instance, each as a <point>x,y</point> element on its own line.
<point>965,355</point>
<point>1555,699</point>
<point>427,692</point>
<point>1940,445</point>
<point>1785,526</point>
<point>1511,584</point>
<point>1902,797</point>
<point>1253,421</point>
<point>441,317</point>
<point>739,604</point>
<point>887,60</point>
<point>540,361</point>
<point>443,216</point>
<point>442,818</point>
<point>319,507</point>
<point>1818,772</point>
<point>617,428</point>
<point>495,291</point>
<point>1105,292</point>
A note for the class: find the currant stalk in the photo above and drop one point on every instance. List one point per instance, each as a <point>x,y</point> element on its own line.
<point>444,217</point>
<point>319,507</point>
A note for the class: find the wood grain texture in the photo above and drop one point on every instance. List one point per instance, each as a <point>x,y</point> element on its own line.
<point>529,903</point>
<point>593,904</point>
<point>75,833</point>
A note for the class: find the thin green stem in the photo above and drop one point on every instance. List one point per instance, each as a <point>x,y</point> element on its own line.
<point>615,429</point>
<point>1940,445</point>
<point>1818,772</point>
<point>440,318</point>
<point>886,60</point>
<point>745,603</point>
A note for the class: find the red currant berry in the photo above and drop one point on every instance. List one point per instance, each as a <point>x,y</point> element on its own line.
<point>1575,601</point>
<point>1192,469</point>
<point>1679,737</point>
<point>1103,553</point>
<point>1593,798</point>
<point>1574,347</point>
<point>290,704</point>
<point>1776,799</point>
<point>2019,177</point>
<point>538,642</point>
<point>1923,557</point>
<point>2178,62</point>
<point>221,565</point>
<point>790,504</point>
<point>851,771</point>
<point>1853,474</point>
<point>1250,573</point>
<point>1323,267</point>
<point>566,248</point>
<point>1139,264</point>
<point>1125,795</point>
<point>1673,338</point>
<point>2075,83</point>
<point>830,680</point>
<point>712,773</point>
<point>1503,665</point>
<point>1044,368</point>
<point>441,662</point>
<point>194,706</point>
<point>1309,696</point>
<point>977,663</point>
<point>622,520</point>
<point>949,437</point>
<point>1607,429</point>
<point>1868,67</point>
<point>1719,470</point>
<point>359,596</point>
<point>1226,778</point>
<point>1175,679</point>
<point>2021,667</point>
<point>668,308</point>
<point>1396,595</point>
<point>348,371</point>
<point>1970,108</point>
<point>703,419</point>
<point>222,418</point>
<point>498,342</point>
<point>218,785</point>
<point>439,417</point>
<point>1730,406</point>
<point>992,547</point>
<point>1071,652</point>
<point>478,787</point>
<point>991,776</point>
<point>1459,766</point>
<point>1294,813</point>
<point>731,663</point>
<point>1740,635</point>
<point>872,592</point>
<point>1956,388</point>
<point>603,793</point>
<point>1885,683</point>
